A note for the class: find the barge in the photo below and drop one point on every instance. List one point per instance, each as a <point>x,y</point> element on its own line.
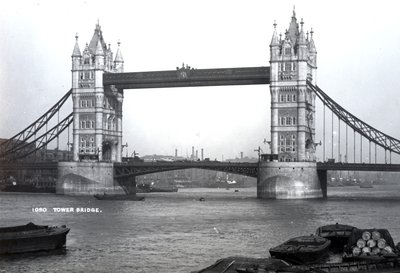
<point>31,237</point>
<point>119,197</point>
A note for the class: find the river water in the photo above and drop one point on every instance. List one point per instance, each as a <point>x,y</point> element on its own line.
<point>174,232</point>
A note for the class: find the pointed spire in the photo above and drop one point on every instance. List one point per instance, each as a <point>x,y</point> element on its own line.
<point>77,51</point>
<point>311,44</point>
<point>97,36</point>
<point>274,40</point>
<point>99,50</point>
<point>98,27</point>
<point>302,38</point>
<point>293,28</point>
<point>118,55</point>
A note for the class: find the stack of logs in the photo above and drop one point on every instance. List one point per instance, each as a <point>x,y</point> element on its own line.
<point>371,243</point>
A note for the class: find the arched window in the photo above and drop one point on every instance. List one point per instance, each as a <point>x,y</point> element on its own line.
<point>294,120</point>
<point>282,97</point>
<point>288,121</point>
<point>113,123</point>
<point>288,97</point>
<point>283,119</point>
<point>294,98</point>
<point>83,124</point>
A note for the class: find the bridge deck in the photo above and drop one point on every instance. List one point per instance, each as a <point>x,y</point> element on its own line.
<point>249,169</point>
<point>141,168</point>
<point>187,77</point>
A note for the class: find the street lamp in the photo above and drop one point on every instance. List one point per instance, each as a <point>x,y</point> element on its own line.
<point>259,152</point>
<point>122,148</point>
<point>269,144</point>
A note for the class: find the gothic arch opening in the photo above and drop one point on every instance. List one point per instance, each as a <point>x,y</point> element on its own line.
<point>107,150</point>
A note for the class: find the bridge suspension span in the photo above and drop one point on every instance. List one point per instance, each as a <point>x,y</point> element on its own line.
<point>27,142</point>
<point>388,143</point>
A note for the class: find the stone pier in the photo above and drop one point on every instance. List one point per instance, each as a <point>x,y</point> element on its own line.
<point>290,180</point>
<point>86,178</point>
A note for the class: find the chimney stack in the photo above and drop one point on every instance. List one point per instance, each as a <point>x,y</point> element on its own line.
<point>202,154</point>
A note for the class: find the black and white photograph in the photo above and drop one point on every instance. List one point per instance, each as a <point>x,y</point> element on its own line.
<point>222,136</point>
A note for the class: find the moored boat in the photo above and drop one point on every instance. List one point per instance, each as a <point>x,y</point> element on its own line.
<point>120,197</point>
<point>302,250</point>
<point>338,234</point>
<point>366,185</point>
<point>146,188</point>
<point>31,237</point>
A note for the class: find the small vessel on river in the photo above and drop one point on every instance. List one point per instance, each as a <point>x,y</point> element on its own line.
<point>31,237</point>
<point>338,234</point>
<point>119,197</point>
<point>301,250</point>
<point>146,188</point>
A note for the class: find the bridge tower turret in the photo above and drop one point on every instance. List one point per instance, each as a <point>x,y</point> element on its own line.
<point>293,62</point>
<point>119,61</point>
<point>97,127</point>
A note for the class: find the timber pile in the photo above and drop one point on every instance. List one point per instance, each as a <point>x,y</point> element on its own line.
<point>371,242</point>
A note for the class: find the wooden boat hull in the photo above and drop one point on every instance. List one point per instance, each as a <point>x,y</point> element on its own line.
<point>42,238</point>
<point>302,250</point>
<point>338,234</point>
<point>119,197</point>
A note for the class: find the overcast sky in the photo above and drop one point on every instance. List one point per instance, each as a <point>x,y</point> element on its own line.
<point>358,44</point>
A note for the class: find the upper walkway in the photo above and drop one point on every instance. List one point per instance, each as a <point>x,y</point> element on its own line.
<point>188,77</point>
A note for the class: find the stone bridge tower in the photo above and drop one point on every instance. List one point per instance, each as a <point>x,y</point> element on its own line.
<point>293,62</point>
<point>97,127</point>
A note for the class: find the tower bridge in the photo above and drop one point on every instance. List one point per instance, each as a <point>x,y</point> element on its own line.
<point>98,86</point>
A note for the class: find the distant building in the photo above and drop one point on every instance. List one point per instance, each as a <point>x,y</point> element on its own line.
<point>243,159</point>
<point>27,147</point>
<point>41,154</point>
<point>53,155</point>
<point>152,158</point>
